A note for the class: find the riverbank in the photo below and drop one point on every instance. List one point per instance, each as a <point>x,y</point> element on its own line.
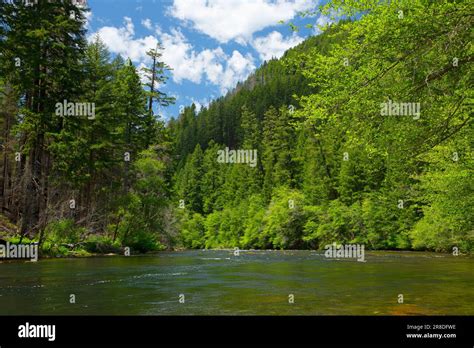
<point>64,251</point>
<point>103,245</point>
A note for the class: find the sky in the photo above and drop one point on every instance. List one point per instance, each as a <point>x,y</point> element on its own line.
<point>210,44</point>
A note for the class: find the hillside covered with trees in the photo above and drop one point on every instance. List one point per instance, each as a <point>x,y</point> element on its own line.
<point>363,134</point>
<point>332,167</point>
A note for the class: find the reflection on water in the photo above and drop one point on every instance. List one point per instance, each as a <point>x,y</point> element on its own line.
<point>255,282</point>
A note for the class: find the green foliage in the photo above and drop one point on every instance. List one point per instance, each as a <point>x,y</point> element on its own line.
<point>192,231</point>
<point>16,240</point>
<point>98,244</point>
<point>374,221</point>
<point>142,224</point>
<point>333,223</point>
<point>189,181</point>
<point>64,231</point>
<point>254,223</point>
<point>51,249</point>
<point>448,219</point>
<point>284,220</point>
<point>224,228</point>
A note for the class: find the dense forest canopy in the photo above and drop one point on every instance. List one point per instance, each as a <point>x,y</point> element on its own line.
<point>362,134</point>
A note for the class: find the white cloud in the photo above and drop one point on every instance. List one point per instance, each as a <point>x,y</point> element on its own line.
<point>226,20</point>
<point>274,45</point>
<point>121,41</point>
<point>147,23</point>
<point>141,73</point>
<point>213,65</point>
<point>207,66</point>
<point>129,25</point>
<point>238,68</point>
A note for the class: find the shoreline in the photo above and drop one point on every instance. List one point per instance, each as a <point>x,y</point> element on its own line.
<point>154,253</point>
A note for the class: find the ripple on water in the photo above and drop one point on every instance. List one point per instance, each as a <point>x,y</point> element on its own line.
<point>157,275</point>
<point>214,258</point>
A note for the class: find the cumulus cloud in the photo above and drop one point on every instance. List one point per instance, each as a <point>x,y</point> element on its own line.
<point>274,45</point>
<point>212,66</point>
<point>121,41</point>
<point>226,20</point>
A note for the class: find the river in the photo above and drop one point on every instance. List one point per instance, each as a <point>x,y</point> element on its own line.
<point>252,283</point>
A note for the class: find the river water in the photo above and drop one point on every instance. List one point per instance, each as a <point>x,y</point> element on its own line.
<point>252,283</point>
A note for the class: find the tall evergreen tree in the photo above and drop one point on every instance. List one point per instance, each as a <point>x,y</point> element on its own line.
<point>43,47</point>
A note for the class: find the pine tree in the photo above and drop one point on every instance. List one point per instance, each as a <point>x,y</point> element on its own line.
<point>43,46</point>
<point>189,181</point>
<point>156,77</point>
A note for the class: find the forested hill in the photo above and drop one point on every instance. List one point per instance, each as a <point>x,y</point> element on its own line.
<point>375,149</point>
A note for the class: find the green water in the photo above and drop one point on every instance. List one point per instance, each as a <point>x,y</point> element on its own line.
<point>255,282</point>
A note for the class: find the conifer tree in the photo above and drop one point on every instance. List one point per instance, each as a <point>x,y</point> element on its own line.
<point>42,46</point>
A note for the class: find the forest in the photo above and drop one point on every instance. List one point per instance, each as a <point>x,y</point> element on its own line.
<point>363,134</point>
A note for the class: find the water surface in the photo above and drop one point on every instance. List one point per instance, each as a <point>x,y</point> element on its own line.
<point>255,282</point>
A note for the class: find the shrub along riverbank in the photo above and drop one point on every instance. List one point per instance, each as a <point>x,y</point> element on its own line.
<point>60,242</point>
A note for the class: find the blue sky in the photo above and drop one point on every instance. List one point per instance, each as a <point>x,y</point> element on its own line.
<point>210,44</point>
